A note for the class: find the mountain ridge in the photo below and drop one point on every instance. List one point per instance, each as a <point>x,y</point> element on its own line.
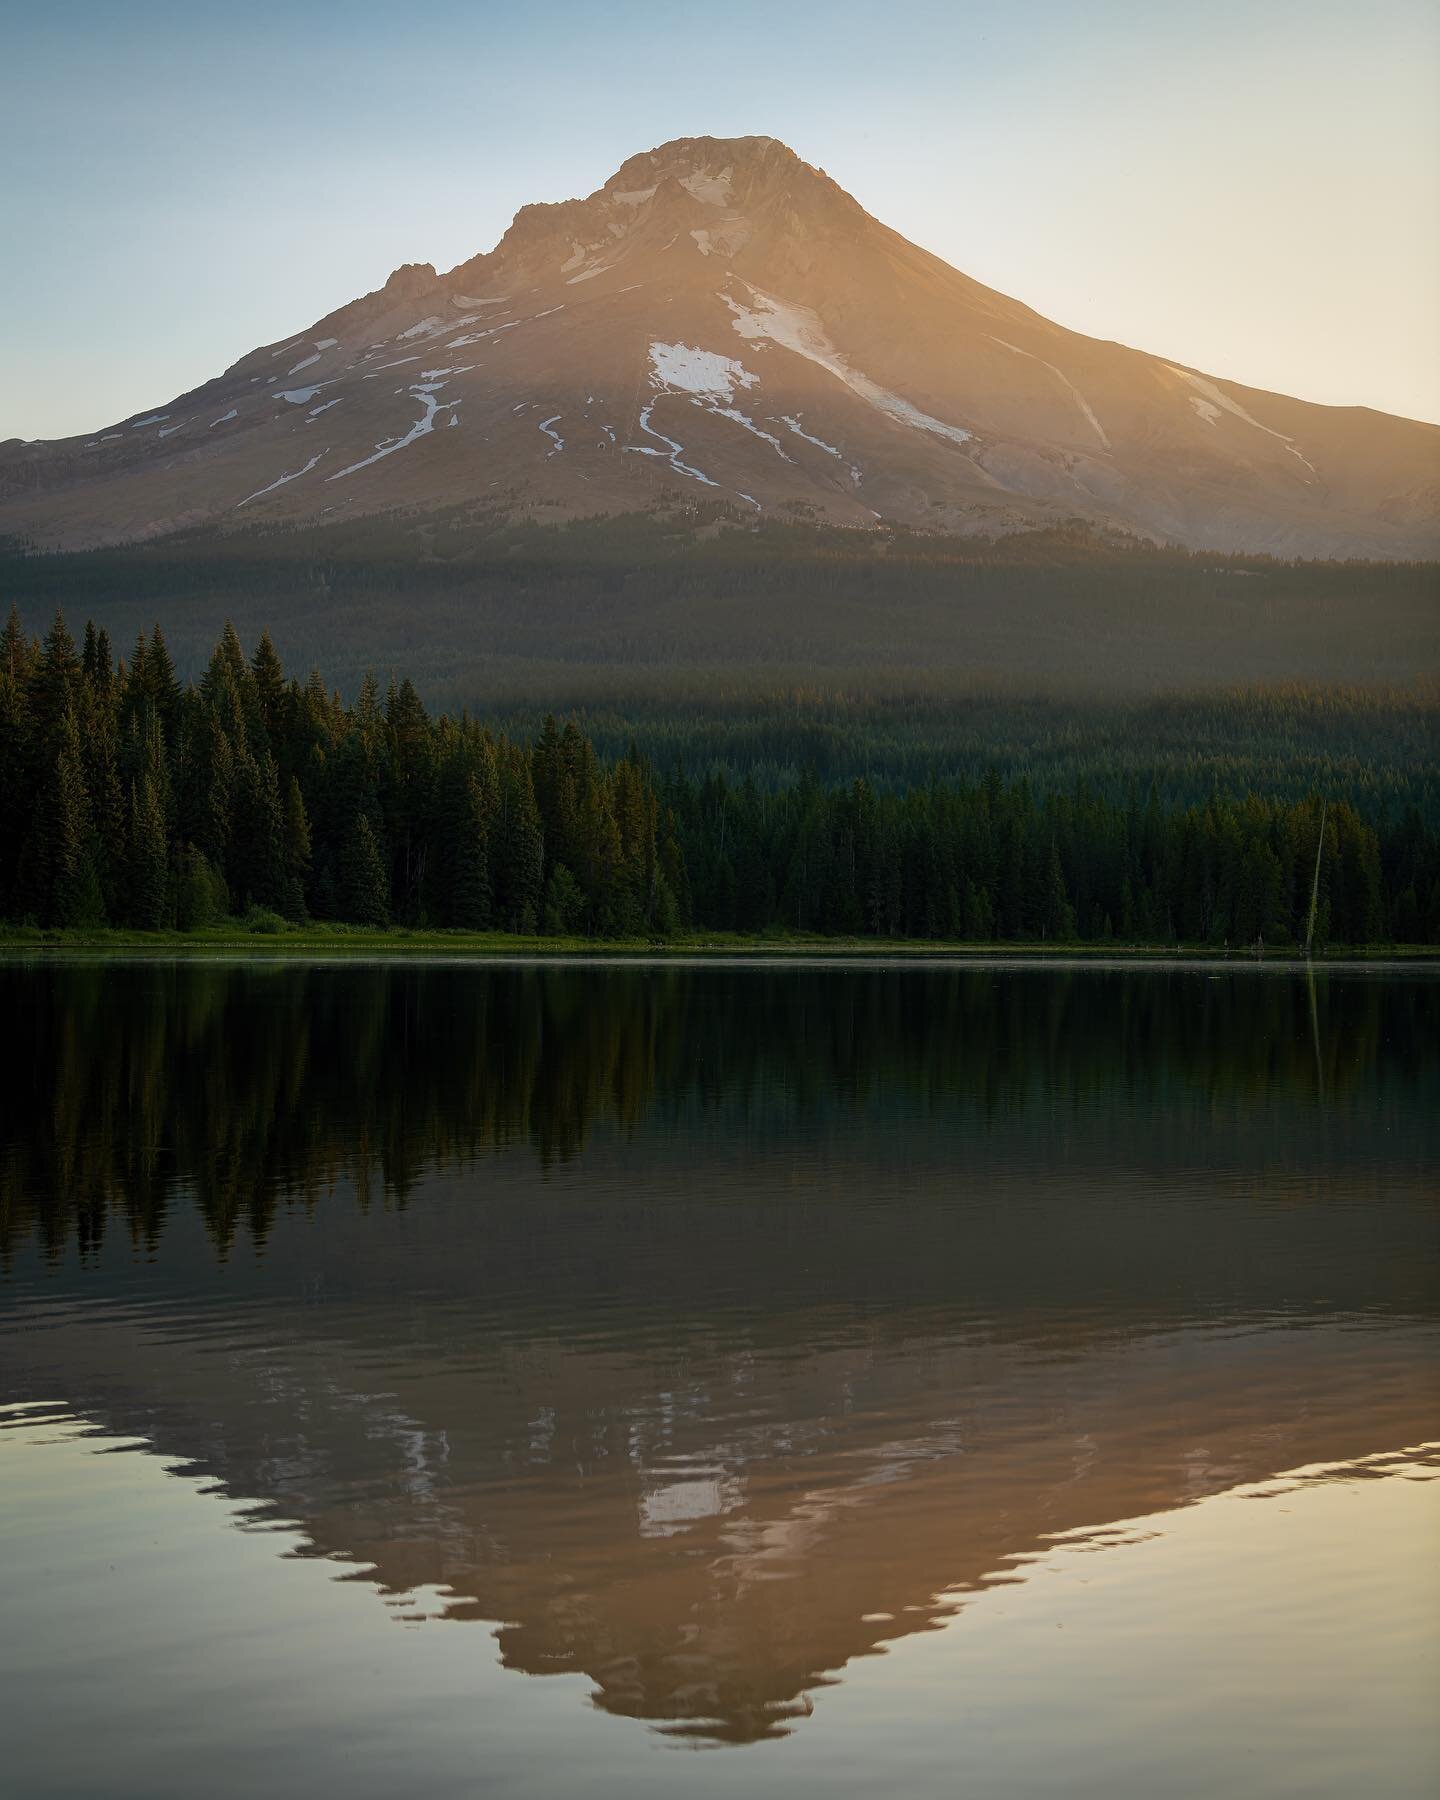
<point>721,319</point>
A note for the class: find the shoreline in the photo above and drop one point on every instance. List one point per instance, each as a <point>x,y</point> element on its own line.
<point>360,943</point>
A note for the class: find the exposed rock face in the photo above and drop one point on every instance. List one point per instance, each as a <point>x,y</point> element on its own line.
<point>720,318</point>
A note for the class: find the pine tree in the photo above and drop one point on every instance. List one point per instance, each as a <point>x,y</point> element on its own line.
<point>364,891</point>
<point>467,900</point>
<point>296,853</point>
<point>69,887</point>
<point>148,876</point>
<point>271,697</point>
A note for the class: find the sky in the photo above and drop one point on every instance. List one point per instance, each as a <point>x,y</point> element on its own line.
<point>1252,189</point>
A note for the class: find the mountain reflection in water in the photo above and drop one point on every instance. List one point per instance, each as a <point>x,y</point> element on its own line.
<point>710,1328</point>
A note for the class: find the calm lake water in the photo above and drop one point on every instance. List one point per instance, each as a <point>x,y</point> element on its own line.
<point>460,1379</point>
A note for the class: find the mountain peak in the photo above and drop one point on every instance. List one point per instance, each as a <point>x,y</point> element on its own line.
<point>721,321</point>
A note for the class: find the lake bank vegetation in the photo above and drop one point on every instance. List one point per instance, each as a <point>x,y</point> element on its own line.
<point>129,799</point>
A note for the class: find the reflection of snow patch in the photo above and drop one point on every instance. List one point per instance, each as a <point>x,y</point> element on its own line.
<point>798,329</point>
<point>1065,382</point>
<point>702,240</point>
<point>554,436</point>
<point>294,475</point>
<point>225,418</point>
<point>609,432</point>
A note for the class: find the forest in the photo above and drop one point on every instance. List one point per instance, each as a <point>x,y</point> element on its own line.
<point>693,601</point>
<point>130,798</point>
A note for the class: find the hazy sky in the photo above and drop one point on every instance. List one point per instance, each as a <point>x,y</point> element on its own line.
<point>1252,188</point>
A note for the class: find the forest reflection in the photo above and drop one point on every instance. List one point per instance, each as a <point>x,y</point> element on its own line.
<point>244,1087</point>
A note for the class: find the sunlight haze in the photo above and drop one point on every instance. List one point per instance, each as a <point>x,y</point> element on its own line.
<point>1250,190</point>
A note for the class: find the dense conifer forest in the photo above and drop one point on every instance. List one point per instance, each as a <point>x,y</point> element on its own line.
<point>696,600</point>
<point>129,798</point>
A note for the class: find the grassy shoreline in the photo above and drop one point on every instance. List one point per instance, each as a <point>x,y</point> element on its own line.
<point>368,941</point>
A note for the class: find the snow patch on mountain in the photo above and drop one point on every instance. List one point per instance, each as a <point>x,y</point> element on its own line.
<point>301,396</point>
<point>294,475</point>
<point>1218,397</point>
<point>672,451</point>
<point>1065,382</point>
<point>305,362</point>
<point>712,190</point>
<point>704,373</point>
<point>546,426</point>
<point>798,329</point>
<point>225,418</point>
<point>796,427</point>
<point>421,428</point>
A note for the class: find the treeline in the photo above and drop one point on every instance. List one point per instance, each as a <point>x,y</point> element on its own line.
<point>129,798</point>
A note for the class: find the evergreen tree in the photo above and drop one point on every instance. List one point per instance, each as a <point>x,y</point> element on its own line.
<point>296,853</point>
<point>148,875</point>
<point>364,891</point>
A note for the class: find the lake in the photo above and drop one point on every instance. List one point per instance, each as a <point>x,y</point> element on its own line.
<point>525,1379</point>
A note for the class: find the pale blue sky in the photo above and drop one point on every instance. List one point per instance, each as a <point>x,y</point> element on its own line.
<point>1250,188</point>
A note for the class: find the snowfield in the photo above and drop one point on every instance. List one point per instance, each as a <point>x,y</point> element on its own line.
<point>700,372</point>
<point>798,329</point>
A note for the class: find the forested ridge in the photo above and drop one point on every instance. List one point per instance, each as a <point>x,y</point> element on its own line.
<point>492,609</point>
<point>129,798</point>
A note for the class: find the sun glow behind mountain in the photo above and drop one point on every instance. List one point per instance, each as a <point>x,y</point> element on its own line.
<point>1243,188</point>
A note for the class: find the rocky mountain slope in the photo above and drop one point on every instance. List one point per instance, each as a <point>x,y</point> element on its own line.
<point>722,320</point>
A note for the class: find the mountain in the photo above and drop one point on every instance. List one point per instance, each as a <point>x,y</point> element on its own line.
<point>722,321</point>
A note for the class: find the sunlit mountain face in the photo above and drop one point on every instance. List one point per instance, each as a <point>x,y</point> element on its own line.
<point>722,323</point>
<point>702,1331</point>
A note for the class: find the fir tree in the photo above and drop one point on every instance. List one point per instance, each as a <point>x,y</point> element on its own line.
<point>148,875</point>
<point>364,891</point>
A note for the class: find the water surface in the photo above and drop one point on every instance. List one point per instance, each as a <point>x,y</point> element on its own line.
<point>1007,1377</point>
